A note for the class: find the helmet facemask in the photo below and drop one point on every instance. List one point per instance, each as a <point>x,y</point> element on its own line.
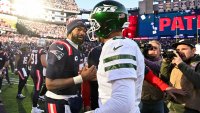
<point>94,26</point>
<point>41,43</point>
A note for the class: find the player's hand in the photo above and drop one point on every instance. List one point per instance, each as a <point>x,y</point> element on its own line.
<point>87,108</point>
<point>90,111</point>
<point>15,71</point>
<point>173,91</point>
<point>88,73</point>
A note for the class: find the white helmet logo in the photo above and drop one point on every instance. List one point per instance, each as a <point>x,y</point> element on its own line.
<point>76,58</point>
<point>105,8</point>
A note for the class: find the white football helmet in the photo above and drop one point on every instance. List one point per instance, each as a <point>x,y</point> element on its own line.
<point>41,43</point>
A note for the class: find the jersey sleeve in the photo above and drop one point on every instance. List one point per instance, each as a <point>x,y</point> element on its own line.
<point>119,61</point>
<point>55,54</point>
<point>42,51</point>
<point>55,59</point>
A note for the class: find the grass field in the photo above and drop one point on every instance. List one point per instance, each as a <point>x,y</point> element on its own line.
<point>8,96</point>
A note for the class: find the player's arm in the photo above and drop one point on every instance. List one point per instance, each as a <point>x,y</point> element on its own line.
<point>6,61</point>
<point>157,82</point>
<point>86,74</point>
<point>17,57</point>
<point>54,77</point>
<point>121,99</point>
<point>154,80</point>
<point>43,60</point>
<point>29,60</point>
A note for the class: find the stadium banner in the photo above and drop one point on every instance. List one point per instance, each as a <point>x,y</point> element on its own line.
<point>8,22</point>
<point>186,23</point>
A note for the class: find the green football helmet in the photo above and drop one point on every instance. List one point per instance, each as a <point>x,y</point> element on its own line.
<point>107,16</point>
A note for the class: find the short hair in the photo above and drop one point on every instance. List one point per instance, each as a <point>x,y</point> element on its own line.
<point>157,42</point>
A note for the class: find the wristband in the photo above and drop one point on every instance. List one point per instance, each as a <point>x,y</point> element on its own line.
<point>78,79</point>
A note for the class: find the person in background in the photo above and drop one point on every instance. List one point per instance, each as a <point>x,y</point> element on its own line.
<point>152,98</point>
<point>38,61</point>
<point>90,88</point>
<point>21,63</point>
<point>3,64</point>
<point>185,75</point>
<point>44,88</point>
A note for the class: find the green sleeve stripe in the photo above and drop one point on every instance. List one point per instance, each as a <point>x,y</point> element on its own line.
<point>117,57</point>
<point>118,66</point>
<point>115,38</point>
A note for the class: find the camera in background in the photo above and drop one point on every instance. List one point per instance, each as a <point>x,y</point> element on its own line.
<point>168,54</point>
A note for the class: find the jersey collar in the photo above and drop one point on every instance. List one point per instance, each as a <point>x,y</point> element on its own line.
<point>72,43</point>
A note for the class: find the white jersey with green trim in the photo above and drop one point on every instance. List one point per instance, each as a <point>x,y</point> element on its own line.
<point>121,58</point>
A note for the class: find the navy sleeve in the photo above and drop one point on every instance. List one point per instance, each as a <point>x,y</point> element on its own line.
<point>56,59</point>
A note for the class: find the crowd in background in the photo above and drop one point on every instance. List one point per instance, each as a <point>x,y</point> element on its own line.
<point>69,5</point>
<point>44,29</point>
<point>5,26</point>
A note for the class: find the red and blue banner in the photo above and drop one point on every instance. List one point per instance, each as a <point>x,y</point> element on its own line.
<point>184,23</point>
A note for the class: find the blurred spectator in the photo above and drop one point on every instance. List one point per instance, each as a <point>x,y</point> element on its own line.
<point>3,64</point>
<point>152,98</point>
<point>185,75</point>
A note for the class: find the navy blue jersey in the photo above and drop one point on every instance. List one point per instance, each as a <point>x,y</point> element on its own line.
<point>35,58</point>
<point>93,57</point>
<point>3,59</point>
<point>63,62</point>
<point>23,60</point>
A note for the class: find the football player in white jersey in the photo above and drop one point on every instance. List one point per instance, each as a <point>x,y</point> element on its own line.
<point>121,65</point>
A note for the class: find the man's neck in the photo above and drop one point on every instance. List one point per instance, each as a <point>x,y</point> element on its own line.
<point>113,34</point>
<point>72,43</point>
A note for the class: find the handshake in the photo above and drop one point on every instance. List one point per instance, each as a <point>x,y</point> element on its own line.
<point>86,73</point>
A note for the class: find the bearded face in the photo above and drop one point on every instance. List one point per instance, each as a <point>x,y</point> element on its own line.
<point>78,35</point>
<point>77,39</point>
<point>185,52</point>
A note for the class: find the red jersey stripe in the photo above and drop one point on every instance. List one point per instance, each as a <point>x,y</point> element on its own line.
<point>67,46</point>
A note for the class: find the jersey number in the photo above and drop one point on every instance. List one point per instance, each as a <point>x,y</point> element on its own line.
<point>25,60</point>
<point>34,59</point>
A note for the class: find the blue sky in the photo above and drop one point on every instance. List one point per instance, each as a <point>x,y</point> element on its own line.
<point>89,4</point>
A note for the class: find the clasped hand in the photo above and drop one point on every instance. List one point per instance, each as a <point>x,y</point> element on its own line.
<point>88,73</point>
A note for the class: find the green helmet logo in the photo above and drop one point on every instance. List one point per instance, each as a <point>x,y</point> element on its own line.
<point>107,16</point>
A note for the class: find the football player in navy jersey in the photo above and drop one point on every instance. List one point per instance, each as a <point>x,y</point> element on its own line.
<point>3,64</point>
<point>65,72</point>
<point>38,61</point>
<point>21,63</point>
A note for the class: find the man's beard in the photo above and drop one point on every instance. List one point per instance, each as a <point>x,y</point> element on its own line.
<point>77,39</point>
